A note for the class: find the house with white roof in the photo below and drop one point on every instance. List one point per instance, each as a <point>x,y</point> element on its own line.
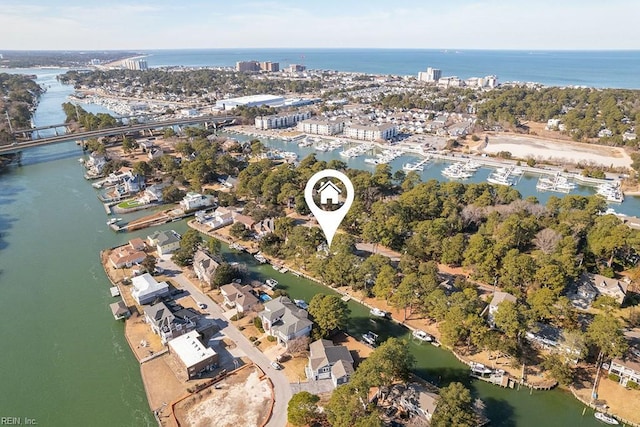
<point>192,201</point>
<point>193,356</point>
<point>146,289</point>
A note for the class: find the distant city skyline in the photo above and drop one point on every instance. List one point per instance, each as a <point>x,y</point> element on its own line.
<point>454,24</point>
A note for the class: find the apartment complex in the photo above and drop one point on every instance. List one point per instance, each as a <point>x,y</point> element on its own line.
<point>371,132</point>
<point>135,64</point>
<point>271,67</point>
<point>432,75</point>
<point>254,66</point>
<point>277,121</point>
<point>321,127</point>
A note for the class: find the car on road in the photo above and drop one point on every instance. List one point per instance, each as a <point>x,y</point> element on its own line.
<point>202,305</point>
<point>276,365</point>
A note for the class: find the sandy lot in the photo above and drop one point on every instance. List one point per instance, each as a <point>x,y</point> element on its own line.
<point>562,151</point>
<point>242,399</point>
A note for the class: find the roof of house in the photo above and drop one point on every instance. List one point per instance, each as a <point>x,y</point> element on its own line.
<point>244,219</point>
<point>146,284</point>
<point>164,237</point>
<point>126,255</point>
<point>137,243</point>
<point>606,285</point>
<point>328,184</point>
<point>208,264</point>
<point>119,308</point>
<point>630,361</point>
<point>239,294</point>
<point>291,318</point>
<point>499,297</point>
<point>324,352</point>
<point>189,349</point>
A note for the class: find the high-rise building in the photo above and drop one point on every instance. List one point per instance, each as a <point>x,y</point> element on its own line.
<point>432,75</point>
<point>136,64</point>
<point>271,67</point>
<point>247,66</point>
<point>295,68</point>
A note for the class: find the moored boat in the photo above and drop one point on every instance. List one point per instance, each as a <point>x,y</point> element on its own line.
<point>607,419</point>
<point>370,338</point>
<point>422,335</point>
<point>378,313</point>
<point>272,283</point>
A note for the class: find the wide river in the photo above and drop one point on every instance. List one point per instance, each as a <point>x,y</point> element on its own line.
<point>65,361</point>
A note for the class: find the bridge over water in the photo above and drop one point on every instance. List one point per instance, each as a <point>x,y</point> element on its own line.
<point>215,121</point>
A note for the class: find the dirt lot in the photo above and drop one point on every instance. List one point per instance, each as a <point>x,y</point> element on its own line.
<point>242,399</point>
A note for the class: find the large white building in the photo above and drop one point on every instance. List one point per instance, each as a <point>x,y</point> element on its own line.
<point>146,289</point>
<point>192,354</point>
<point>135,64</point>
<point>372,132</point>
<point>280,120</point>
<point>321,127</point>
<point>432,75</point>
<point>250,101</point>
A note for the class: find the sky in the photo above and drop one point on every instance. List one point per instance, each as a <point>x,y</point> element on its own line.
<point>426,24</point>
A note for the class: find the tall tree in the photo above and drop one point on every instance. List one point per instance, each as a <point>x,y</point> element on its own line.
<point>303,408</point>
<point>454,407</point>
<point>329,313</point>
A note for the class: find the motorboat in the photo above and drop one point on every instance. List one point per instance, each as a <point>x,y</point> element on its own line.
<point>412,167</point>
<point>500,178</point>
<point>114,221</point>
<point>456,171</point>
<point>480,369</point>
<point>260,258</point>
<point>300,303</point>
<point>611,193</point>
<point>370,338</point>
<point>422,335</point>
<point>607,419</point>
<point>272,283</point>
<point>378,313</point>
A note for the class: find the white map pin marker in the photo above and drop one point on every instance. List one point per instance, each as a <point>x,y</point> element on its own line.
<point>330,194</point>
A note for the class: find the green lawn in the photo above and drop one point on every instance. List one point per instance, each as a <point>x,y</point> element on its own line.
<point>128,204</point>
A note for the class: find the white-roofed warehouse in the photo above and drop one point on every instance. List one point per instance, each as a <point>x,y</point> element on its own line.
<point>250,101</point>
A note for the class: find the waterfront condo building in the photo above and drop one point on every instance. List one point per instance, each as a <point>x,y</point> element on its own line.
<point>270,67</point>
<point>371,132</point>
<point>277,121</point>
<point>136,64</point>
<point>247,66</point>
<point>321,127</point>
<point>432,75</point>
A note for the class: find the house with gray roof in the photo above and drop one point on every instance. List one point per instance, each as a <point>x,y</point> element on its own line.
<point>165,242</point>
<point>168,324</point>
<point>239,297</point>
<point>327,360</point>
<point>498,298</point>
<point>204,266</point>
<point>282,319</point>
<point>588,287</point>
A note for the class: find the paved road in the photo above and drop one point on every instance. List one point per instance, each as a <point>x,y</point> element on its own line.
<point>281,386</point>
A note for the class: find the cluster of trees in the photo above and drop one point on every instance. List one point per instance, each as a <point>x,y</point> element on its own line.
<point>68,59</point>
<point>89,121</point>
<point>584,111</point>
<point>18,95</point>
<point>208,84</point>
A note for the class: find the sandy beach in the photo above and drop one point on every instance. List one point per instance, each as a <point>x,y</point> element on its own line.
<point>524,147</point>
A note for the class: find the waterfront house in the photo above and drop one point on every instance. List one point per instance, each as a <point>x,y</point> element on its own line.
<point>263,227</point>
<point>239,297</point>
<point>133,183</point>
<point>591,286</point>
<point>282,319</point>
<point>152,193</point>
<point>193,356</point>
<point>244,219</point>
<point>155,153</point>
<point>327,360</point>
<point>192,201</point>
<point>204,266</point>
<point>119,310</point>
<point>220,218</point>
<point>126,256</point>
<point>551,338</point>
<point>165,242</point>
<point>137,244</point>
<point>167,324</point>
<point>627,369</point>
<point>413,398</point>
<point>498,298</point>
<point>146,289</point>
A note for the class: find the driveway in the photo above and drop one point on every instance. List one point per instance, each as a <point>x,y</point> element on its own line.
<point>281,387</point>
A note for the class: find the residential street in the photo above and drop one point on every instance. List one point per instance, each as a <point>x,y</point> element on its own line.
<point>281,387</point>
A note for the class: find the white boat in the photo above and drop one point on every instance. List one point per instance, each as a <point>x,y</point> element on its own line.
<point>412,167</point>
<point>480,369</point>
<point>378,313</point>
<point>260,258</point>
<point>322,147</point>
<point>607,419</point>
<point>471,166</point>
<point>113,221</point>
<point>300,303</point>
<point>272,283</point>
<point>517,171</point>
<point>422,335</point>
<point>370,338</point>
<point>372,161</point>
<point>456,171</point>
<point>611,193</point>
<point>500,178</point>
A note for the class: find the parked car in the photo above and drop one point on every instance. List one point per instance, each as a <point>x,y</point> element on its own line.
<point>202,305</point>
<point>276,365</point>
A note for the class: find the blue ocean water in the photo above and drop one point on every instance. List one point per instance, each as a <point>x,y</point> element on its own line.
<point>600,69</point>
